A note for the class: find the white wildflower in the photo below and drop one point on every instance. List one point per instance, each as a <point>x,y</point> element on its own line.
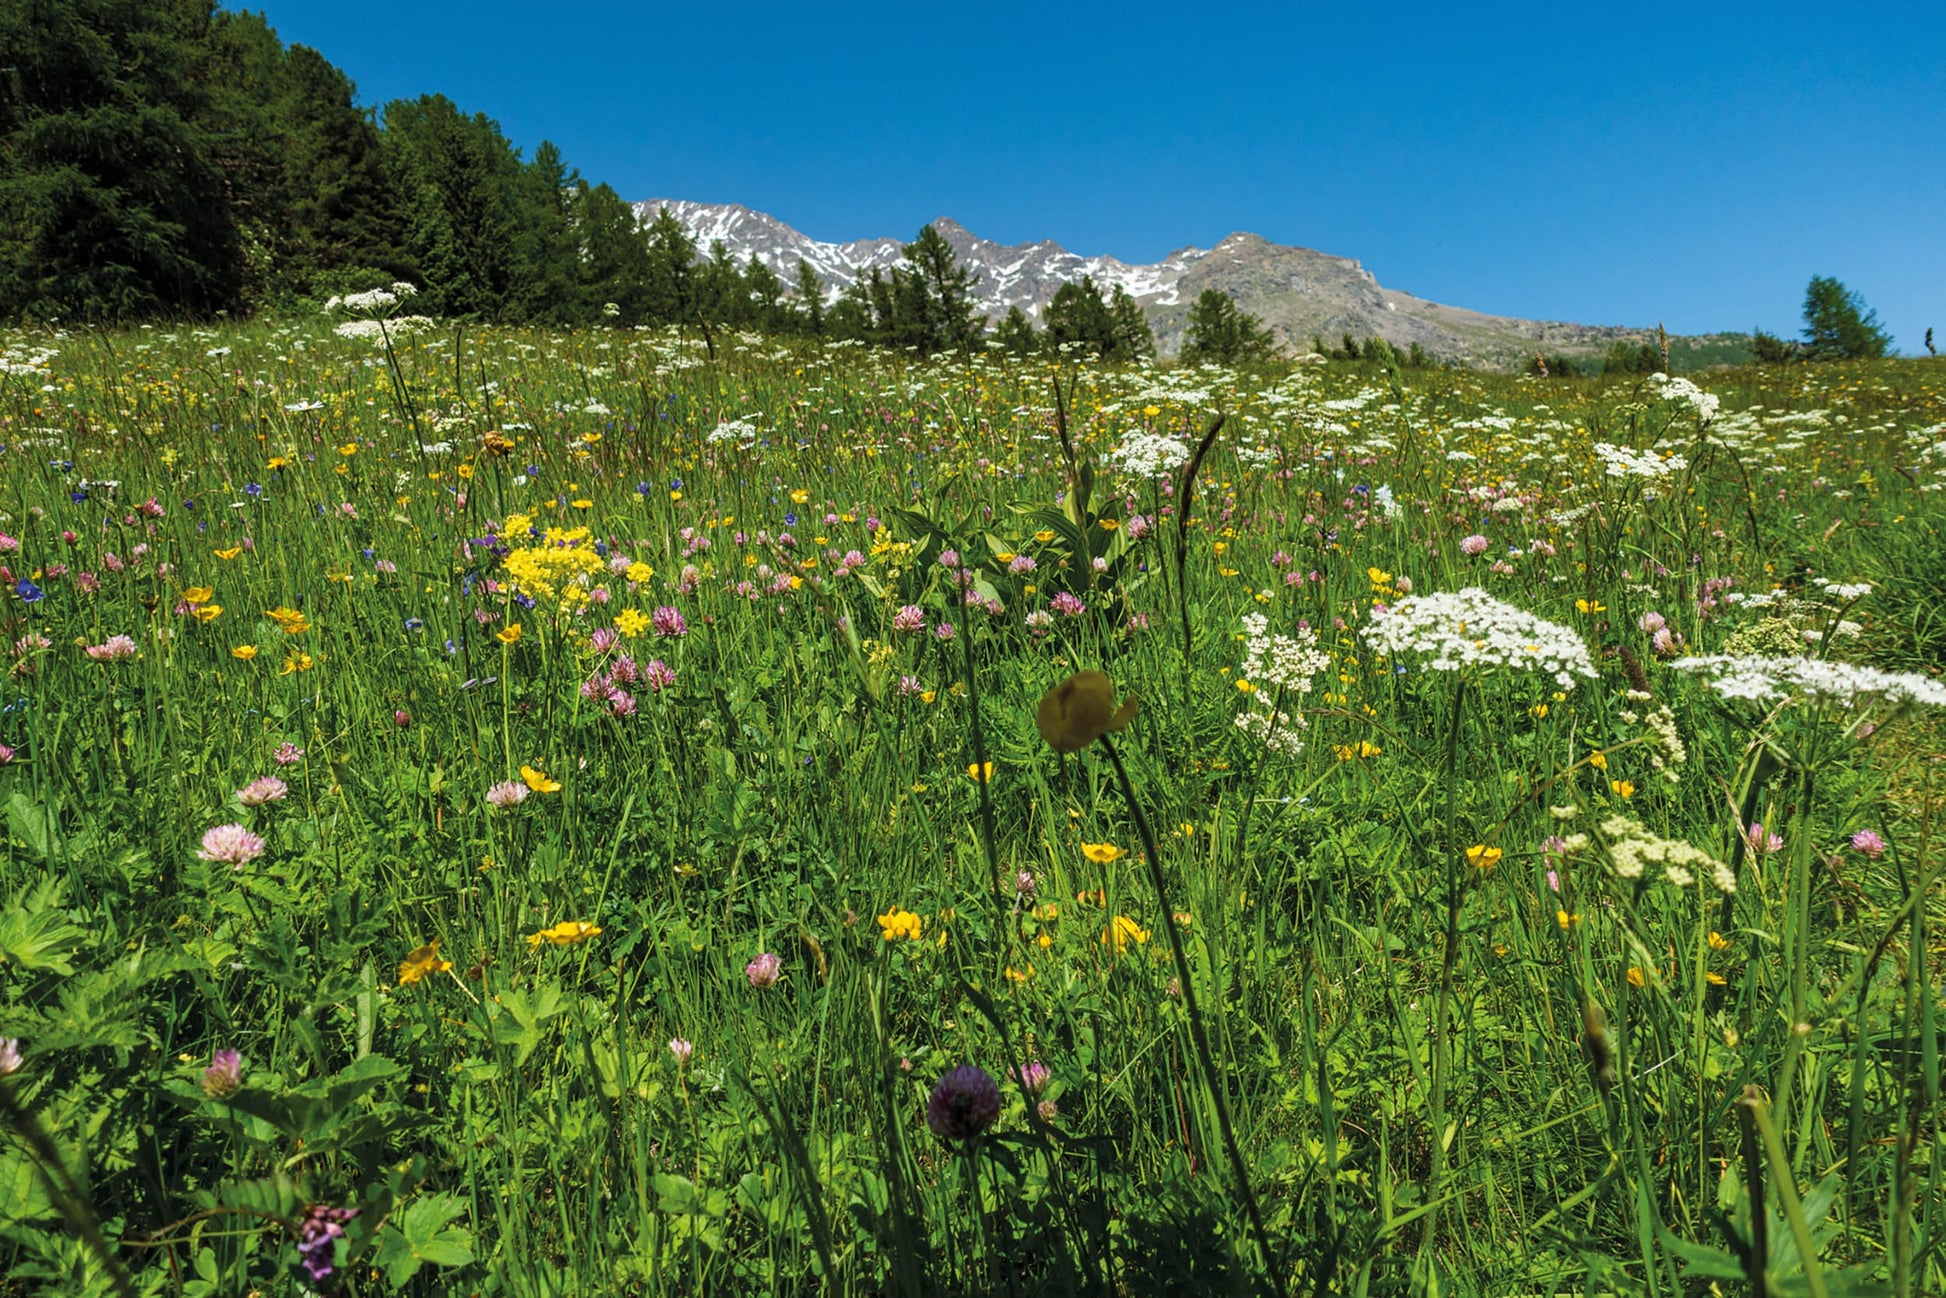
<point>1464,630</point>
<point>1845,684</point>
<point>1148,455</point>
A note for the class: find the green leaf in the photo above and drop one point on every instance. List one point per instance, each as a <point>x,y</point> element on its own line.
<point>423,1234</point>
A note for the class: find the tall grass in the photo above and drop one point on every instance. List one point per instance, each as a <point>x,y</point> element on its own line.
<point>1463,1054</point>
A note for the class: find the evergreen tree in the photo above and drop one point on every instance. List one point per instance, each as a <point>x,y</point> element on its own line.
<point>461,186</point>
<point>111,204</point>
<point>1838,325</point>
<point>947,316</point>
<point>614,255</point>
<point>1078,318</point>
<point>1769,349</point>
<point>851,316</point>
<point>1016,334</point>
<point>547,271</point>
<point>672,271</point>
<point>1220,331</point>
<point>810,299</point>
<point>1131,339</point>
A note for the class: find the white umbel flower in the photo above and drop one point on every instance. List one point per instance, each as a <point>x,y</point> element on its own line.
<point>1470,630</point>
<point>1846,684</point>
<point>1148,455</point>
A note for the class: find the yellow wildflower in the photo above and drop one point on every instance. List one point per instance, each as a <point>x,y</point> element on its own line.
<point>509,634</point>
<point>896,923</point>
<point>538,781</point>
<point>631,622</point>
<point>566,933</point>
<point>1123,931</point>
<point>198,595</point>
<point>425,960</point>
<point>1102,853</point>
<point>244,651</point>
<point>1080,710</point>
<point>1482,857</point>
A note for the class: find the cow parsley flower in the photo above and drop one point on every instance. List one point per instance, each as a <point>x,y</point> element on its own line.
<point>1148,455</point>
<point>1848,685</point>
<point>1470,630</point>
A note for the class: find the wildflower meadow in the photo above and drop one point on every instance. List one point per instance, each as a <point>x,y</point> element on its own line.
<point>612,811</point>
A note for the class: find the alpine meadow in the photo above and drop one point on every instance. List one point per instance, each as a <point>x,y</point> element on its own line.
<point>542,758</point>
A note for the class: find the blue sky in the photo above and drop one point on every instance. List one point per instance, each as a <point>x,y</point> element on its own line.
<point>1615,164</point>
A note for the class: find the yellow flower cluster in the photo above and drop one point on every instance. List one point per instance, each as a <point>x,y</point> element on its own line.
<point>896,923</point>
<point>548,570</point>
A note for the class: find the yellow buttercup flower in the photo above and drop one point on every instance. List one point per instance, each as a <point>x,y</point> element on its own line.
<point>1102,853</point>
<point>1567,919</point>
<point>538,781</point>
<point>1122,932</point>
<point>198,595</point>
<point>508,634</point>
<point>1717,942</point>
<point>566,933</point>
<point>1622,788</point>
<point>425,960</point>
<point>1045,535</point>
<point>297,662</point>
<point>1080,710</point>
<point>980,772</point>
<point>1482,857</point>
<point>244,651</point>
<point>207,613</point>
<point>1598,760</point>
<point>1590,606</point>
<point>230,553</point>
<point>896,923</point>
<point>288,620</point>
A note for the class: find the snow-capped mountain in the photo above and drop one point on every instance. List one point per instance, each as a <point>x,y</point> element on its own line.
<point>1301,293</point>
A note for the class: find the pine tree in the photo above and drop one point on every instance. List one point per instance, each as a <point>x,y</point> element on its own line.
<point>1130,338</point>
<point>948,317</point>
<point>1078,319</point>
<point>547,267</point>
<point>672,270</point>
<point>110,202</point>
<point>614,255</point>
<point>810,299</point>
<point>1218,330</point>
<point>1838,325</point>
<point>1016,334</point>
<point>460,180</point>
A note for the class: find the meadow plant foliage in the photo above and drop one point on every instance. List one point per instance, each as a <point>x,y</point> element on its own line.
<point>534,813</point>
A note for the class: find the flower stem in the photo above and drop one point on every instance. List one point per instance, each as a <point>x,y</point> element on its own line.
<point>1199,1034</point>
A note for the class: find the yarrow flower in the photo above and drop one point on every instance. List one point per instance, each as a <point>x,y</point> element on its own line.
<point>1467,630</point>
<point>1633,849</point>
<point>964,1104</point>
<point>231,845</point>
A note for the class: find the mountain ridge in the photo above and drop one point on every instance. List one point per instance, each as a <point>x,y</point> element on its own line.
<point>1300,293</point>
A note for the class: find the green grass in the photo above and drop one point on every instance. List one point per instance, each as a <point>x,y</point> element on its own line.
<point>518,1123</point>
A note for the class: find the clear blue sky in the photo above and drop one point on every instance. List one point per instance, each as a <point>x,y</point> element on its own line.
<point>1614,164</point>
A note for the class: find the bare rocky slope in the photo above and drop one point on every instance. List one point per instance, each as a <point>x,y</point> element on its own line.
<point>1300,293</point>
